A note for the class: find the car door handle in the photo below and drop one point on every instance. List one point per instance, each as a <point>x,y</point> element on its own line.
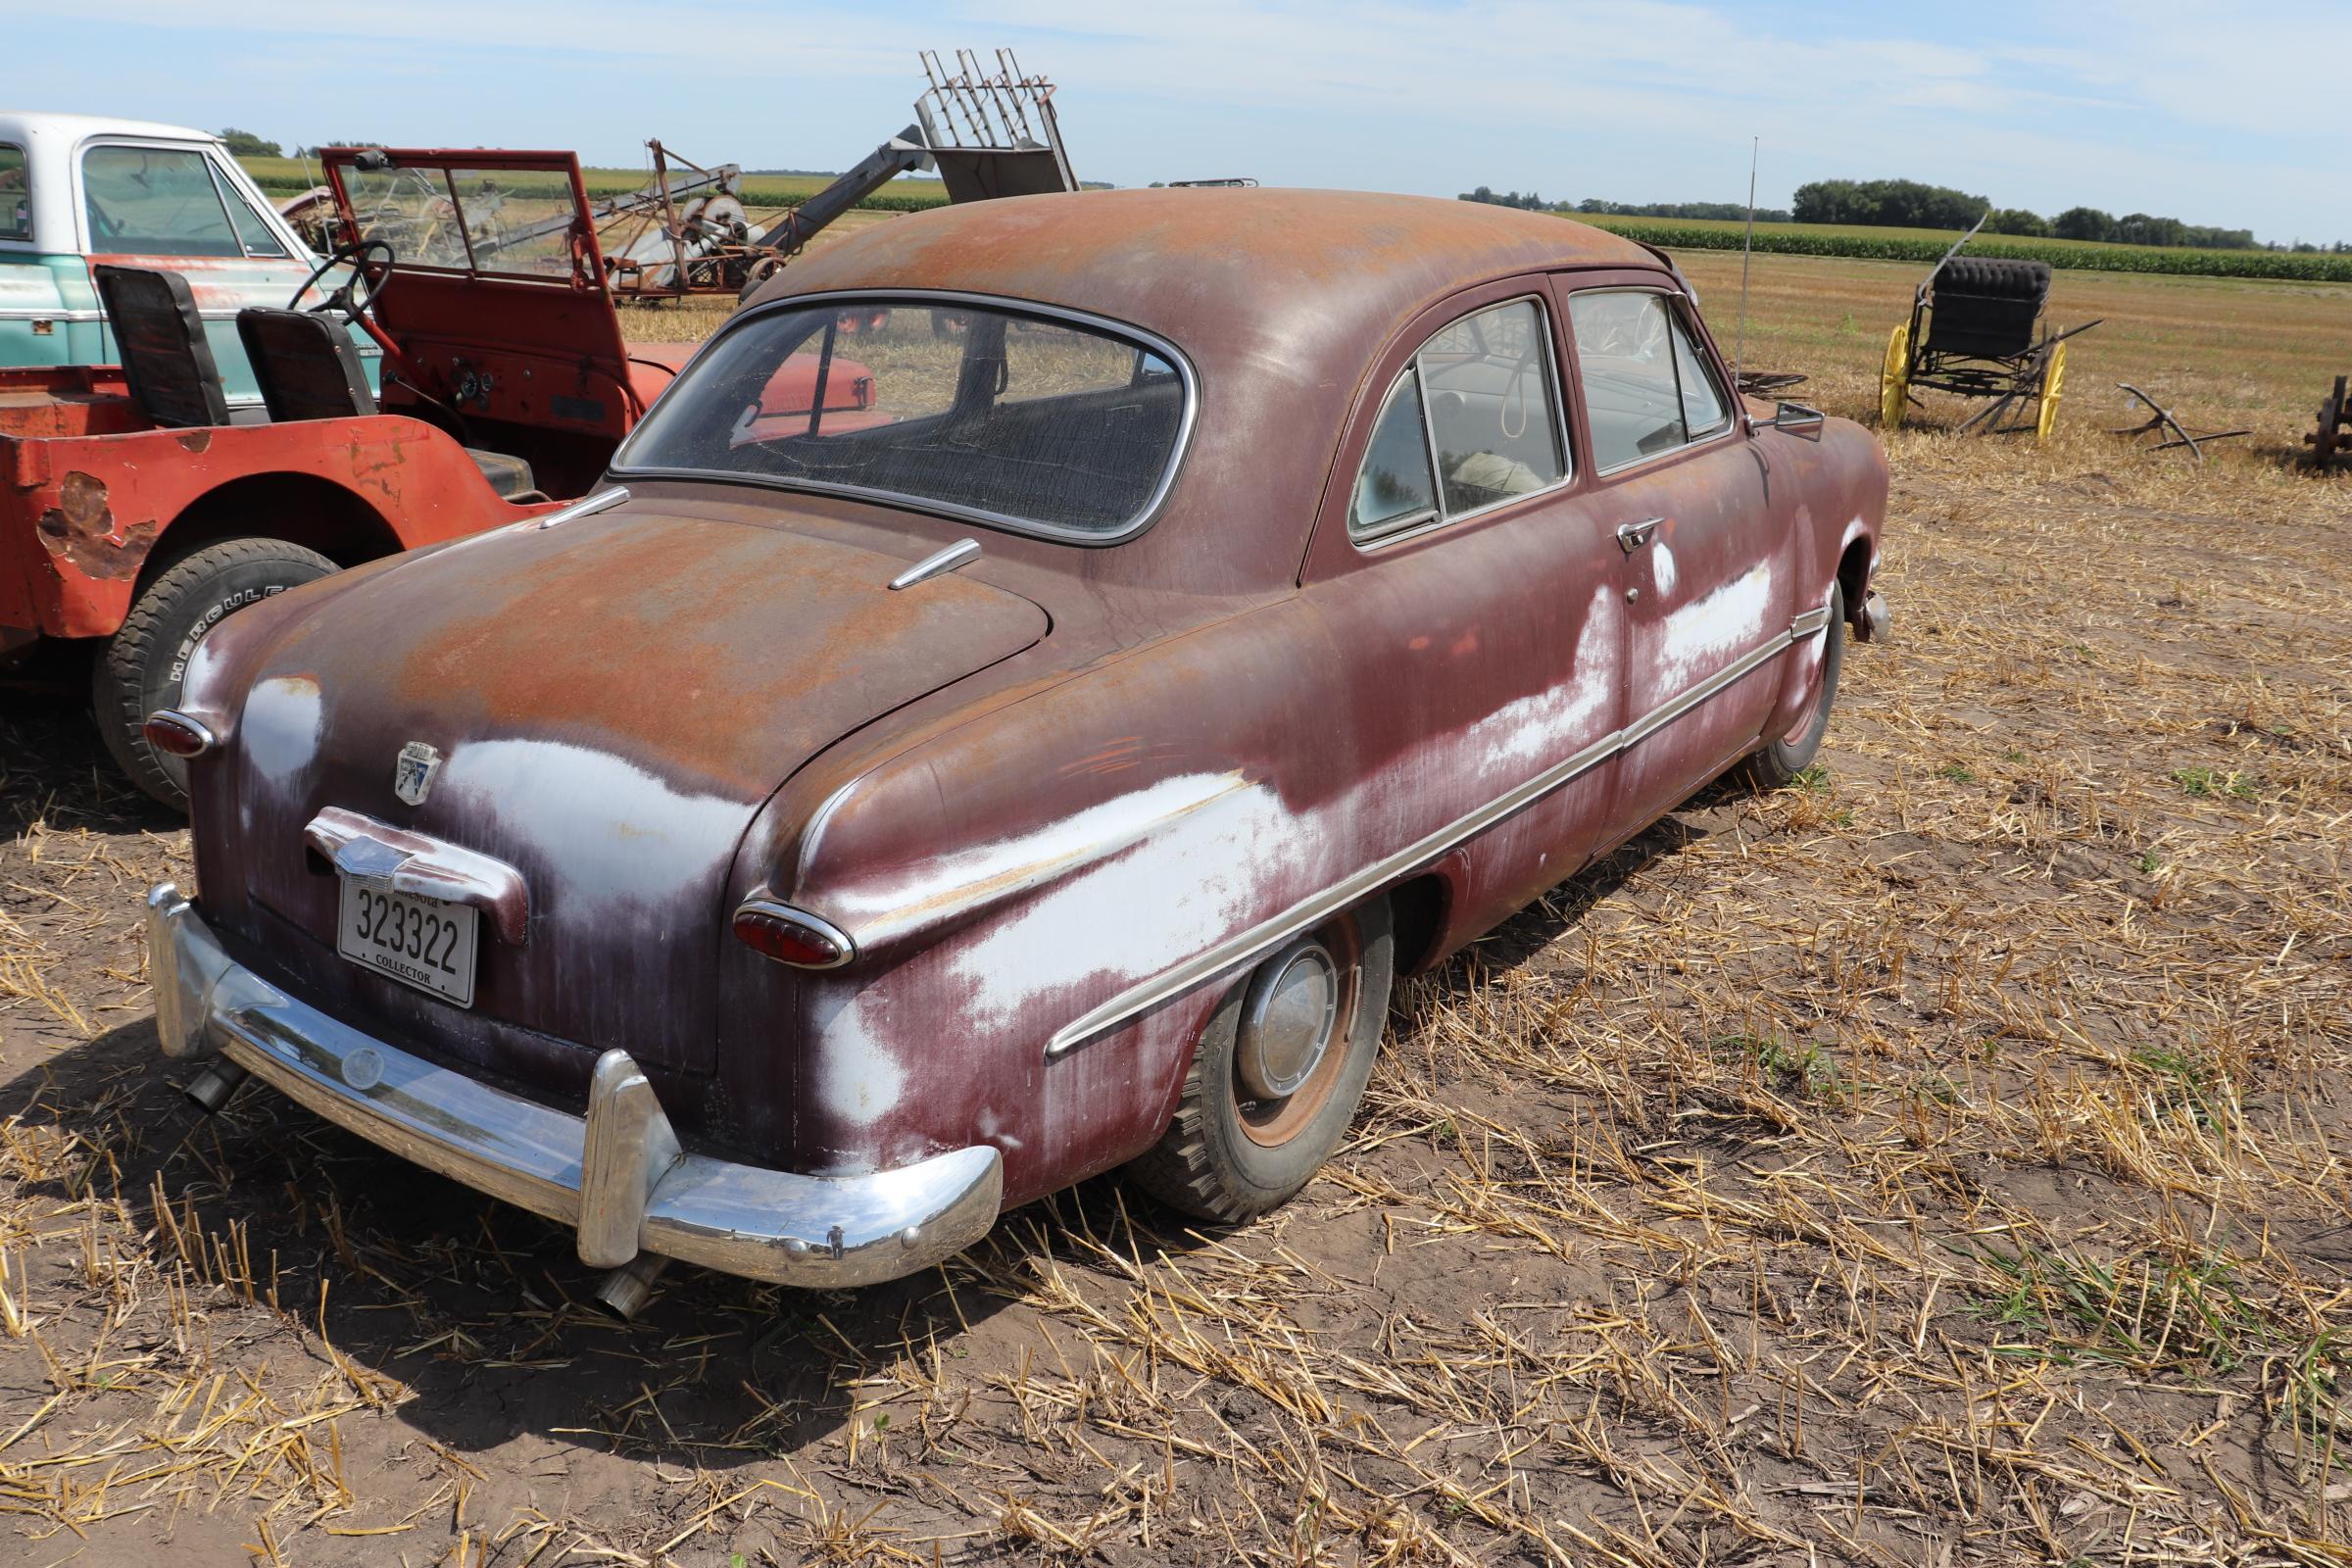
<point>1632,536</point>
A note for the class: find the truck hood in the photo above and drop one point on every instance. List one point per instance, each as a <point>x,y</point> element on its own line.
<point>613,699</point>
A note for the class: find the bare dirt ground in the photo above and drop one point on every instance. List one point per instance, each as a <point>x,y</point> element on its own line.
<point>1943,1161</point>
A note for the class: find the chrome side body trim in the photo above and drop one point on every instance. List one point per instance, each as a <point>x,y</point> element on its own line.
<point>616,1175</point>
<point>1262,938</point>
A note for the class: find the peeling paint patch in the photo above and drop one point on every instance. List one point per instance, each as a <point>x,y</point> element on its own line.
<point>197,441</point>
<point>1729,620</point>
<point>80,531</point>
<point>282,727</point>
<point>955,883</point>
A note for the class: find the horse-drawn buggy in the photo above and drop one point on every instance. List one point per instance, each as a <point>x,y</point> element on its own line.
<point>1977,332</point>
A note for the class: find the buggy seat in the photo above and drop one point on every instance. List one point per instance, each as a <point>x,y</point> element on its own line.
<point>1985,308</point>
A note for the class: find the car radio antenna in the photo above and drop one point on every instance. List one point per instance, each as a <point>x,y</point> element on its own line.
<point>1746,246</point>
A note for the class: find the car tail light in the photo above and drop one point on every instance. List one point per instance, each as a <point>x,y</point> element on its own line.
<point>791,936</point>
<point>178,734</point>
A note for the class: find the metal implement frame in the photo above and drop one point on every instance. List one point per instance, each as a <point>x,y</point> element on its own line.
<point>2160,419</point>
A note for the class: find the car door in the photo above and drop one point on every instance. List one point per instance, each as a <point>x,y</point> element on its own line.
<point>1472,602</point>
<point>1702,540</point>
<point>175,207</point>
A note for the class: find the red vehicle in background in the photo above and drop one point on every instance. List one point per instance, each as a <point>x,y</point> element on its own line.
<point>134,514</point>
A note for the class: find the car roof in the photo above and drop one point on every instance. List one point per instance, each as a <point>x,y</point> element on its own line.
<point>1283,299</point>
<point>1188,263</point>
<point>18,125</point>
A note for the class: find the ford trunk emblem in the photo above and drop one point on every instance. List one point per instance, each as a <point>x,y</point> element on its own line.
<point>413,773</point>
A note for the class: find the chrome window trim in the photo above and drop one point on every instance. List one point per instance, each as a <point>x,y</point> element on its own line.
<point>1691,443</point>
<point>1421,523</point>
<point>1312,910</point>
<point>229,193</point>
<point>1125,331</point>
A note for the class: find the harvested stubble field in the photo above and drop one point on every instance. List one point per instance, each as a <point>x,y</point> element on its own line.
<point>1941,1162</point>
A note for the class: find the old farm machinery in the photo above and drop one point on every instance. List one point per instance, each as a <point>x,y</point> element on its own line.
<point>689,232</point>
<point>1976,331</point>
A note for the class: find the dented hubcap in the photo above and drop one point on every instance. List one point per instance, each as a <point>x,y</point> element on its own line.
<point>1287,1020</point>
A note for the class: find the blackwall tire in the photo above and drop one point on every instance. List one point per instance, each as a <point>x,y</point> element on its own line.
<point>1225,1157</point>
<point>142,665</point>
<point>1995,277</point>
<point>1778,765</point>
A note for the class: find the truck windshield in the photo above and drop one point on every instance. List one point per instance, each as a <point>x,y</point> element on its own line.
<point>517,223</point>
<point>1039,422</point>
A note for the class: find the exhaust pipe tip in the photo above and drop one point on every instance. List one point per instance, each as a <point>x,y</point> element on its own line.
<point>625,1290</point>
<point>209,1089</point>
<point>1877,619</point>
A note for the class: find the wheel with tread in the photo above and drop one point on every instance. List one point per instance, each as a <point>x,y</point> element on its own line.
<point>1995,277</point>
<point>1230,1153</point>
<point>1778,765</point>
<point>1894,379</point>
<point>142,665</point>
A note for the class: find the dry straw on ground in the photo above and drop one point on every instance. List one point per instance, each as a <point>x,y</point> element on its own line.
<point>1939,1162</point>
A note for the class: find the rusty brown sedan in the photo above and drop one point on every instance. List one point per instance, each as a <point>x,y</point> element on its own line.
<point>840,827</point>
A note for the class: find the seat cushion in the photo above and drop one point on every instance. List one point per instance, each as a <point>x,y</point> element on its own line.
<point>509,476</point>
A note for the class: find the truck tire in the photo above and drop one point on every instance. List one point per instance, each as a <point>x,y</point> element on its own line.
<point>1230,1153</point>
<point>141,666</point>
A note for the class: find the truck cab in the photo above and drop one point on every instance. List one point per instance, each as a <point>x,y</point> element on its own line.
<point>78,192</point>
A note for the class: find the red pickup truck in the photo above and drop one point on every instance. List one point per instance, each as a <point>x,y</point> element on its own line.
<point>134,514</point>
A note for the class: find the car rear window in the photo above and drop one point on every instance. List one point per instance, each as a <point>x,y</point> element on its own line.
<point>1023,418</point>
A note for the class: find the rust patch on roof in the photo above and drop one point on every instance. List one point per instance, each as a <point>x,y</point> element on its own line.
<point>80,530</point>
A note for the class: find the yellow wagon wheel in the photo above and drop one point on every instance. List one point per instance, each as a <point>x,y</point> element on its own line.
<point>1894,381</point>
<point>2053,384</point>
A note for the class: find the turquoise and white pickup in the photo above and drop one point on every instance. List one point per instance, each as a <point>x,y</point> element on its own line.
<point>80,190</point>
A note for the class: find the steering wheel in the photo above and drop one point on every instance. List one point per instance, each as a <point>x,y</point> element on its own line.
<point>350,297</point>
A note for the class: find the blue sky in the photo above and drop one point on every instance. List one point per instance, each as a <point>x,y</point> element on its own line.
<point>2162,106</point>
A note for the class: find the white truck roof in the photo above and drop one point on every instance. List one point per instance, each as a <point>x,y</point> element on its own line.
<point>22,126</point>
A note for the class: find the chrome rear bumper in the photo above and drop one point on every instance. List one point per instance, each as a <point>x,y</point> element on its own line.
<point>616,1176</point>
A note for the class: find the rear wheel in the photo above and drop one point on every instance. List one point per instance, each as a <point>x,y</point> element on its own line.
<point>1778,765</point>
<point>1278,1072</point>
<point>2053,385</point>
<point>144,662</point>
<point>1894,379</point>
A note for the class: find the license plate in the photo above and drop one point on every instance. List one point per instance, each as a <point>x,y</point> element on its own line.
<point>420,941</point>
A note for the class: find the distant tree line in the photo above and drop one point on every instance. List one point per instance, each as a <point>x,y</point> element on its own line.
<point>1594,206</point>
<point>1909,204</point>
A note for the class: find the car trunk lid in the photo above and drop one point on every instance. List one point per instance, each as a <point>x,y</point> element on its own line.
<point>610,702</point>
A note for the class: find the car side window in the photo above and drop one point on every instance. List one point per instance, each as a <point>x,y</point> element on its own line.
<point>16,193</point>
<point>1395,488</point>
<point>251,234</point>
<point>1648,388</point>
<point>1704,411</point>
<point>1481,400</point>
<point>154,201</point>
